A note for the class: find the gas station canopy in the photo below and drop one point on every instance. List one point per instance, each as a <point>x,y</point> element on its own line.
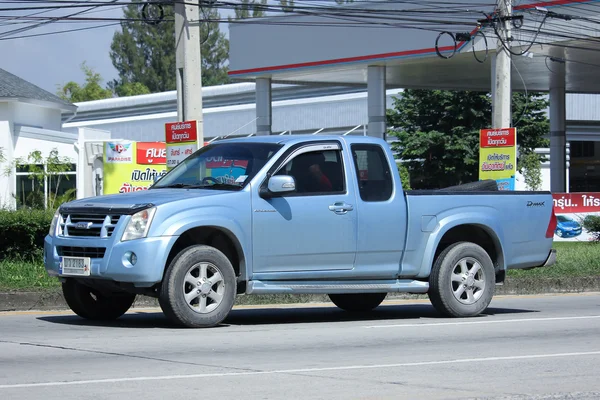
<point>332,48</point>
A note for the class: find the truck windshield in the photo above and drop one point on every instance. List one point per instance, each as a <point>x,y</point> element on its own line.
<point>222,166</point>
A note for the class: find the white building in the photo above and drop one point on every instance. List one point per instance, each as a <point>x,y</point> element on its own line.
<point>30,122</point>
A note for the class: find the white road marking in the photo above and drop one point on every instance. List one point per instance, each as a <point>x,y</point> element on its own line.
<point>494,321</point>
<point>300,370</point>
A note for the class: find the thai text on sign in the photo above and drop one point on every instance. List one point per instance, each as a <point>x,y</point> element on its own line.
<point>498,156</point>
<point>181,141</point>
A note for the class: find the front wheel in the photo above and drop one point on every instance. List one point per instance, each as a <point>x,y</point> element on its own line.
<point>92,304</point>
<point>462,281</point>
<point>357,302</point>
<point>199,287</point>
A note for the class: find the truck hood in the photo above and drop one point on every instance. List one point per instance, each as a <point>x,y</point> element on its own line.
<point>135,201</point>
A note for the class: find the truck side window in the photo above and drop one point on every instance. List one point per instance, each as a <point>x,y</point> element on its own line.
<point>373,172</point>
<point>316,172</point>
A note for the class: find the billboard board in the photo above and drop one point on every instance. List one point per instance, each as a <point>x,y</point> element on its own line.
<point>498,156</point>
<point>132,166</point>
<point>571,209</point>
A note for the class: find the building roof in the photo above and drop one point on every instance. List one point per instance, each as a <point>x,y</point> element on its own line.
<point>418,48</point>
<point>13,87</point>
<point>212,97</point>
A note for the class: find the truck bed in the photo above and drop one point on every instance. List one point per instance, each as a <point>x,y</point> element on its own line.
<point>517,219</point>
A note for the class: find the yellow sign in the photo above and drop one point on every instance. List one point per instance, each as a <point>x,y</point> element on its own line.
<point>132,166</point>
<point>498,156</point>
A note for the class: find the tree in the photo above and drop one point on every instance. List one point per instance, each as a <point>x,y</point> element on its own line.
<point>438,132</point>
<point>249,9</point>
<point>287,5</point>
<point>145,53</point>
<point>131,89</point>
<point>404,176</point>
<point>45,173</point>
<point>530,165</point>
<point>91,90</point>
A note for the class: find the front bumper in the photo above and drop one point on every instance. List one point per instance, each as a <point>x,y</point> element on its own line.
<point>151,252</point>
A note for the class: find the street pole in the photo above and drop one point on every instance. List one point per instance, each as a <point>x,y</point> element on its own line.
<point>501,92</point>
<point>188,65</point>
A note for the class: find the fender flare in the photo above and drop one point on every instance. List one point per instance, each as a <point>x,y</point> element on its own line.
<point>471,217</point>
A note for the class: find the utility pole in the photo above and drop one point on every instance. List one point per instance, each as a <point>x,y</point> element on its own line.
<point>501,71</point>
<point>188,64</point>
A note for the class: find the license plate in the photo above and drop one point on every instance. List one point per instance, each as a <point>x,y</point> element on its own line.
<point>80,266</point>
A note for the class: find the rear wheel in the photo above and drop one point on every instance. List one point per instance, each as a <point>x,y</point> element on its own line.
<point>199,287</point>
<point>357,302</point>
<point>462,281</point>
<point>92,304</point>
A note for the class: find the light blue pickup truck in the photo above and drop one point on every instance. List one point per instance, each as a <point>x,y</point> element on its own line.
<point>293,214</point>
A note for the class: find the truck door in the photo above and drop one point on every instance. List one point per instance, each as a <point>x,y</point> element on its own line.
<point>313,228</point>
<point>383,213</point>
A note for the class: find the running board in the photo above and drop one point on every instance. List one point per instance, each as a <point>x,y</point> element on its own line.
<point>321,287</point>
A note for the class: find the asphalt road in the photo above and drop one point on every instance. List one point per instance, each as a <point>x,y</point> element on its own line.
<point>525,347</point>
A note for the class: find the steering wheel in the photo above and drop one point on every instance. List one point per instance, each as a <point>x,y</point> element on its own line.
<point>209,178</point>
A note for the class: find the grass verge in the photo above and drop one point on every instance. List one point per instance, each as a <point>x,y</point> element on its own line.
<point>25,275</point>
<point>578,261</point>
<point>573,259</point>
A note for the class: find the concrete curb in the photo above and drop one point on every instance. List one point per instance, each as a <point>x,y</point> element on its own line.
<point>52,299</point>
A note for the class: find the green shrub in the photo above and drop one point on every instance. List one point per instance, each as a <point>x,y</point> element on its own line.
<point>22,233</point>
<point>592,224</point>
<point>404,176</point>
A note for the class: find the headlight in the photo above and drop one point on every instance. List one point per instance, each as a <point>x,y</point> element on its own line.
<point>139,224</point>
<point>52,230</point>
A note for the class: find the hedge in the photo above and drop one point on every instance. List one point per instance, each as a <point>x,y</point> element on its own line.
<point>22,233</point>
<point>592,224</point>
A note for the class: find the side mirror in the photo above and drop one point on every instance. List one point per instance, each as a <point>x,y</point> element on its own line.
<point>157,178</point>
<point>278,185</point>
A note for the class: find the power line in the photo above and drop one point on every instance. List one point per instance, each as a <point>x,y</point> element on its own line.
<point>24,29</point>
<point>58,32</point>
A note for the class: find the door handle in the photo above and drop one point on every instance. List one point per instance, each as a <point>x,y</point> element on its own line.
<point>341,207</point>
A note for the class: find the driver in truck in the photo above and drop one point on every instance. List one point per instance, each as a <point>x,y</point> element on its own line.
<point>306,169</point>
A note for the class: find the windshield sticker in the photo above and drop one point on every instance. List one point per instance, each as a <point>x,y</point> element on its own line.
<point>241,179</point>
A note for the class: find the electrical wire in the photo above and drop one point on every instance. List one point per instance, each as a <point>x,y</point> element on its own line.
<point>418,15</point>
<point>20,30</point>
<point>486,46</point>
<point>58,32</point>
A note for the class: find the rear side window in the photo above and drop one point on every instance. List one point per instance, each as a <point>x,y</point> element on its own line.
<point>373,172</point>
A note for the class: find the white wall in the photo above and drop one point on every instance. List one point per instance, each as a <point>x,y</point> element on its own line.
<point>36,116</point>
<point>23,129</point>
<point>6,143</point>
<point>25,145</point>
<point>90,166</point>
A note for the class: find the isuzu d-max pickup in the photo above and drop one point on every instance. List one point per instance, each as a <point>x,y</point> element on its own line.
<point>293,214</point>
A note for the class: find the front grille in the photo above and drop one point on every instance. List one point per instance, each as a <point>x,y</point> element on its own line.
<point>88,225</point>
<point>92,252</point>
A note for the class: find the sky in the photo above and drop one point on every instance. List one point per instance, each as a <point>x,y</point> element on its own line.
<point>50,61</point>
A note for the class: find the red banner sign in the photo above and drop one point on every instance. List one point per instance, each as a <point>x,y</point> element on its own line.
<point>567,203</point>
<point>497,137</point>
<point>151,153</point>
<point>181,132</point>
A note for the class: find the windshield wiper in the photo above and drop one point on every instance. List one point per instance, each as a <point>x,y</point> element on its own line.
<point>221,186</point>
<point>179,185</point>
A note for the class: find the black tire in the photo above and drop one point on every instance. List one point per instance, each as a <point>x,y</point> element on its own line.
<point>174,287</point>
<point>442,289</point>
<point>91,304</point>
<point>357,302</point>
